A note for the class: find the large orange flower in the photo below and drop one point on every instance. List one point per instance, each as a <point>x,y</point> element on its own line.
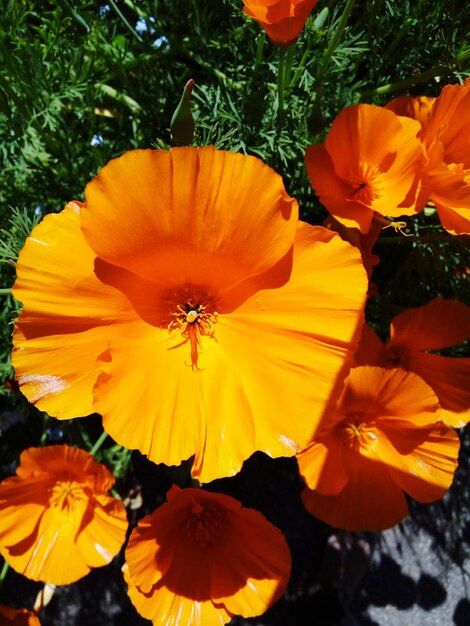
<point>281,19</point>
<point>201,558</point>
<point>177,299</point>
<point>434,326</point>
<point>386,438</point>
<point>446,135</point>
<point>17,617</point>
<point>371,161</point>
<point>57,521</point>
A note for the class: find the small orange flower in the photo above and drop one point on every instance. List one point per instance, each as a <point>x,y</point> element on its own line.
<point>371,161</point>
<point>281,19</point>
<point>201,558</point>
<point>192,292</point>
<point>17,617</point>
<point>434,326</point>
<point>416,108</point>
<point>56,520</point>
<point>445,135</point>
<point>386,438</point>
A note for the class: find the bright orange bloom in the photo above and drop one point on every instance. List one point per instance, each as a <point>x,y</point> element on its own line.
<point>281,19</point>
<point>17,617</point>
<point>434,326</point>
<point>192,292</point>
<point>57,521</point>
<point>385,438</point>
<point>201,558</point>
<point>446,136</point>
<point>416,108</point>
<point>371,161</point>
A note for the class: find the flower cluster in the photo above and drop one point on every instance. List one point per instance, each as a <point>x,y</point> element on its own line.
<point>422,157</point>
<point>186,303</point>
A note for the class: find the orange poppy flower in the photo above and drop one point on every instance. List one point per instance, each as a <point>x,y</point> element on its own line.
<point>385,438</point>
<point>355,175</point>
<point>201,558</point>
<point>445,135</point>
<point>56,520</point>
<point>408,106</point>
<point>281,19</point>
<point>17,617</point>
<point>434,326</point>
<point>180,311</point>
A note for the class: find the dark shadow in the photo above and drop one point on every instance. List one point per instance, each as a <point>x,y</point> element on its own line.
<point>461,615</point>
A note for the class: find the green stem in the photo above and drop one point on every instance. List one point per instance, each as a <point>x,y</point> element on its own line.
<point>280,84</point>
<point>99,443</point>
<point>3,573</point>
<point>334,41</point>
<point>437,70</point>
<point>123,18</point>
<point>259,50</point>
<point>5,292</point>
<point>299,70</point>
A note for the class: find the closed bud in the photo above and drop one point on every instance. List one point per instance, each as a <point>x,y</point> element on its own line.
<point>182,122</point>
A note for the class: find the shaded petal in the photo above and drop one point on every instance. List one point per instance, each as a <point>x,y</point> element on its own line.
<point>321,466</point>
<point>371,501</point>
<point>67,319</point>
<point>371,350</point>
<point>17,617</point>
<point>171,216</point>
<point>450,380</point>
<point>436,325</point>
<point>255,559</point>
<point>165,608</point>
<point>422,461</point>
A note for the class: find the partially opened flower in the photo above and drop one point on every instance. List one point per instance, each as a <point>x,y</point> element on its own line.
<point>437,325</point>
<point>418,108</point>
<point>281,19</point>
<point>176,299</point>
<point>201,558</point>
<point>385,439</point>
<point>17,617</point>
<point>446,136</point>
<point>355,174</point>
<point>57,521</point>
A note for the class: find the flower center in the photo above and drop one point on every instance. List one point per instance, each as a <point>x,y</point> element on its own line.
<point>192,316</point>
<point>365,191</point>
<point>202,527</point>
<point>66,494</point>
<point>355,430</point>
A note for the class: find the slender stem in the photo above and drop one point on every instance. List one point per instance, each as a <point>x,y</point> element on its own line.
<point>259,50</point>
<point>437,70</point>
<point>3,573</point>
<point>301,66</point>
<point>280,84</point>
<point>5,292</point>
<point>335,40</point>
<point>99,443</point>
<point>123,18</point>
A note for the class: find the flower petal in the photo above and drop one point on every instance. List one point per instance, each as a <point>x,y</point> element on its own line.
<point>173,215</point>
<point>371,501</point>
<point>436,325</point>
<point>67,320</point>
<point>450,380</point>
<point>422,461</point>
<point>102,531</point>
<point>321,467</point>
